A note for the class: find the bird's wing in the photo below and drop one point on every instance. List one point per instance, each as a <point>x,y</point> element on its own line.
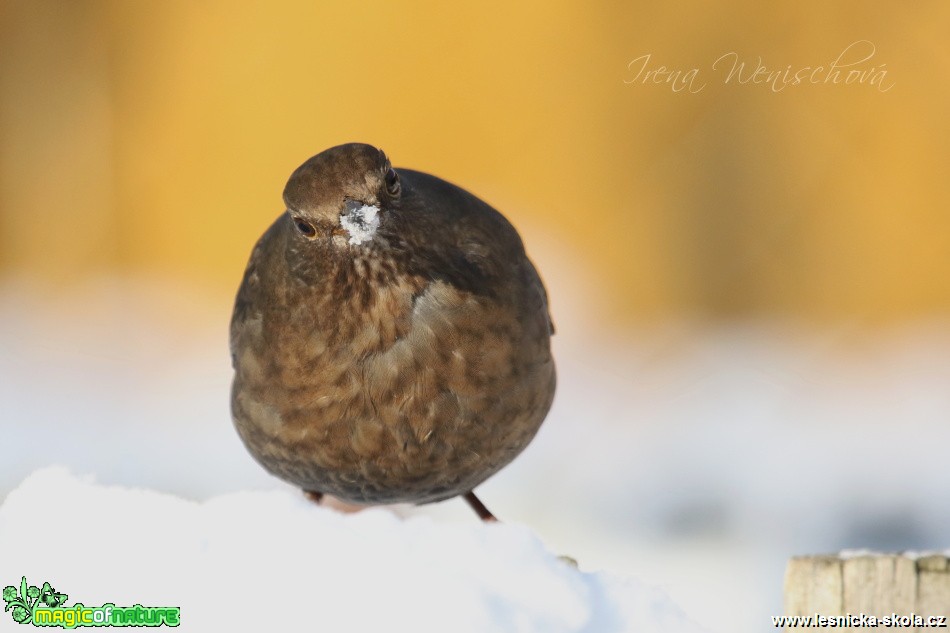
<point>542,293</point>
<point>249,299</point>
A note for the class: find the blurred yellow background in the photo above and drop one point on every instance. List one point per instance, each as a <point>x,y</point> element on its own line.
<point>156,137</point>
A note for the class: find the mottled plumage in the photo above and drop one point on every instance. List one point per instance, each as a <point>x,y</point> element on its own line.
<point>408,367</point>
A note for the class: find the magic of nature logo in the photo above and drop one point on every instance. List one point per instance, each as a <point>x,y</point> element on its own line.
<point>44,606</point>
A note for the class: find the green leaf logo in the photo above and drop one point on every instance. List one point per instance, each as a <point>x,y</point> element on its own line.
<point>21,602</point>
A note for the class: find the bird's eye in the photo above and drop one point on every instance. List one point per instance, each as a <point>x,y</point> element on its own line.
<point>392,182</point>
<point>306,229</point>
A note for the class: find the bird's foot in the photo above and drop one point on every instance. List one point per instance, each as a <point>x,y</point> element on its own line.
<point>313,495</point>
<point>483,513</point>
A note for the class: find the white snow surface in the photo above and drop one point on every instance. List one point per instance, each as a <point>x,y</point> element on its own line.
<point>256,561</point>
<point>361,223</point>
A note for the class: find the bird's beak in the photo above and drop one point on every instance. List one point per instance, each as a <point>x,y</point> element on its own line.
<point>338,231</point>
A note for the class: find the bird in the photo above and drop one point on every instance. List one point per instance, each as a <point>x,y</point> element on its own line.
<point>390,338</point>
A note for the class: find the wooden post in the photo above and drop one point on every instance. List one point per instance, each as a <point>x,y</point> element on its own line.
<point>879,585</point>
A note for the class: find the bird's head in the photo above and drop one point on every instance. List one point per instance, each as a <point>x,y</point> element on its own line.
<point>341,197</point>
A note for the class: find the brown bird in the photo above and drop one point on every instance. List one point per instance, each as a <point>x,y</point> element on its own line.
<point>390,339</point>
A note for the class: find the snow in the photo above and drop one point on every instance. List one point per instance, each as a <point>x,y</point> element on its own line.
<point>251,561</point>
<point>847,554</point>
<point>361,223</point>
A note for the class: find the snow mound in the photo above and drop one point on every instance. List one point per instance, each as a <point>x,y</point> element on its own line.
<point>253,561</point>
